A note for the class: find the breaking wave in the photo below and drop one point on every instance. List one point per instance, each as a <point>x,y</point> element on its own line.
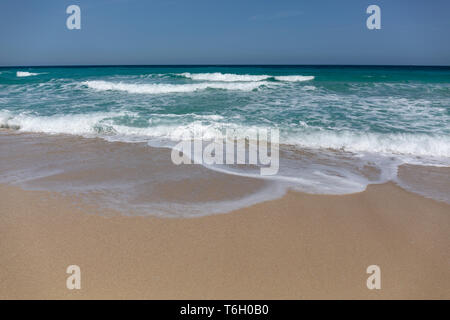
<point>25,74</point>
<point>392,143</point>
<point>338,134</point>
<point>421,145</point>
<point>170,88</point>
<point>229,77</point>
<point>225,77</point>
<point>294,78</point>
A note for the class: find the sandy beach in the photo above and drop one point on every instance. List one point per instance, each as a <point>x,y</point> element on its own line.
<point>298,247</point>
<point>224,150</point>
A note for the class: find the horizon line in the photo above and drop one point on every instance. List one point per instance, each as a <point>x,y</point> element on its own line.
<point>226,65</point>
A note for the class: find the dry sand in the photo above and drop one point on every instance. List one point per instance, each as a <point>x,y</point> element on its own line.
<point>300,246</point>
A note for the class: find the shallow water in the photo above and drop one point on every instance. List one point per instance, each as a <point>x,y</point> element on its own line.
<point>341,128</point>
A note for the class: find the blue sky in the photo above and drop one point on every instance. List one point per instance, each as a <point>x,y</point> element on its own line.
<point>33,32</point>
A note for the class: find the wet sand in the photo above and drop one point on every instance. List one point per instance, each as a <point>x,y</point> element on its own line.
<point>297,247</point>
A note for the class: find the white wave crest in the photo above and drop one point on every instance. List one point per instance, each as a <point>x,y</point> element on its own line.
<point>394,143</point>
<point>417,145</point>
<point>58,124</point>
<point>229,77</point>
<point>4,117</point>
<point>26,74</point>
<point>169,88</point>
<point>294,78</point>
<point>224,77</point>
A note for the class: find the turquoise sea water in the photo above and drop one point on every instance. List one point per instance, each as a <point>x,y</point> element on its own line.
<point>346,119</point>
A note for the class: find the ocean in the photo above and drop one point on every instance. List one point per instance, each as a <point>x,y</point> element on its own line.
<point>341,129</point>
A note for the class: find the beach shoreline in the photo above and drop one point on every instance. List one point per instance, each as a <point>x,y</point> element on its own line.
<point>88,177</point>
<point>298,247</point>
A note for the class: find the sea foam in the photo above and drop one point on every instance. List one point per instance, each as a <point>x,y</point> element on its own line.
<point>224,77</point>
<point>25,74</point>
<point>229,77</point>
<point>294,78</point>
<point>169,88</point>
<point>353,122</point>
<point>192,125</point>
<point>77,124</point>
<point>387,143</point>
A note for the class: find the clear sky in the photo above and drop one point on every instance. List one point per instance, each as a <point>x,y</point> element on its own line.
<point>34,32</point>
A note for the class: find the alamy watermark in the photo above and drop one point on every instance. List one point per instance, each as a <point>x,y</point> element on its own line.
<point>74,20</point>
<point>374,20</point>
<point>232,147</point>
<point>374,280</point>
<point>74,280</point>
